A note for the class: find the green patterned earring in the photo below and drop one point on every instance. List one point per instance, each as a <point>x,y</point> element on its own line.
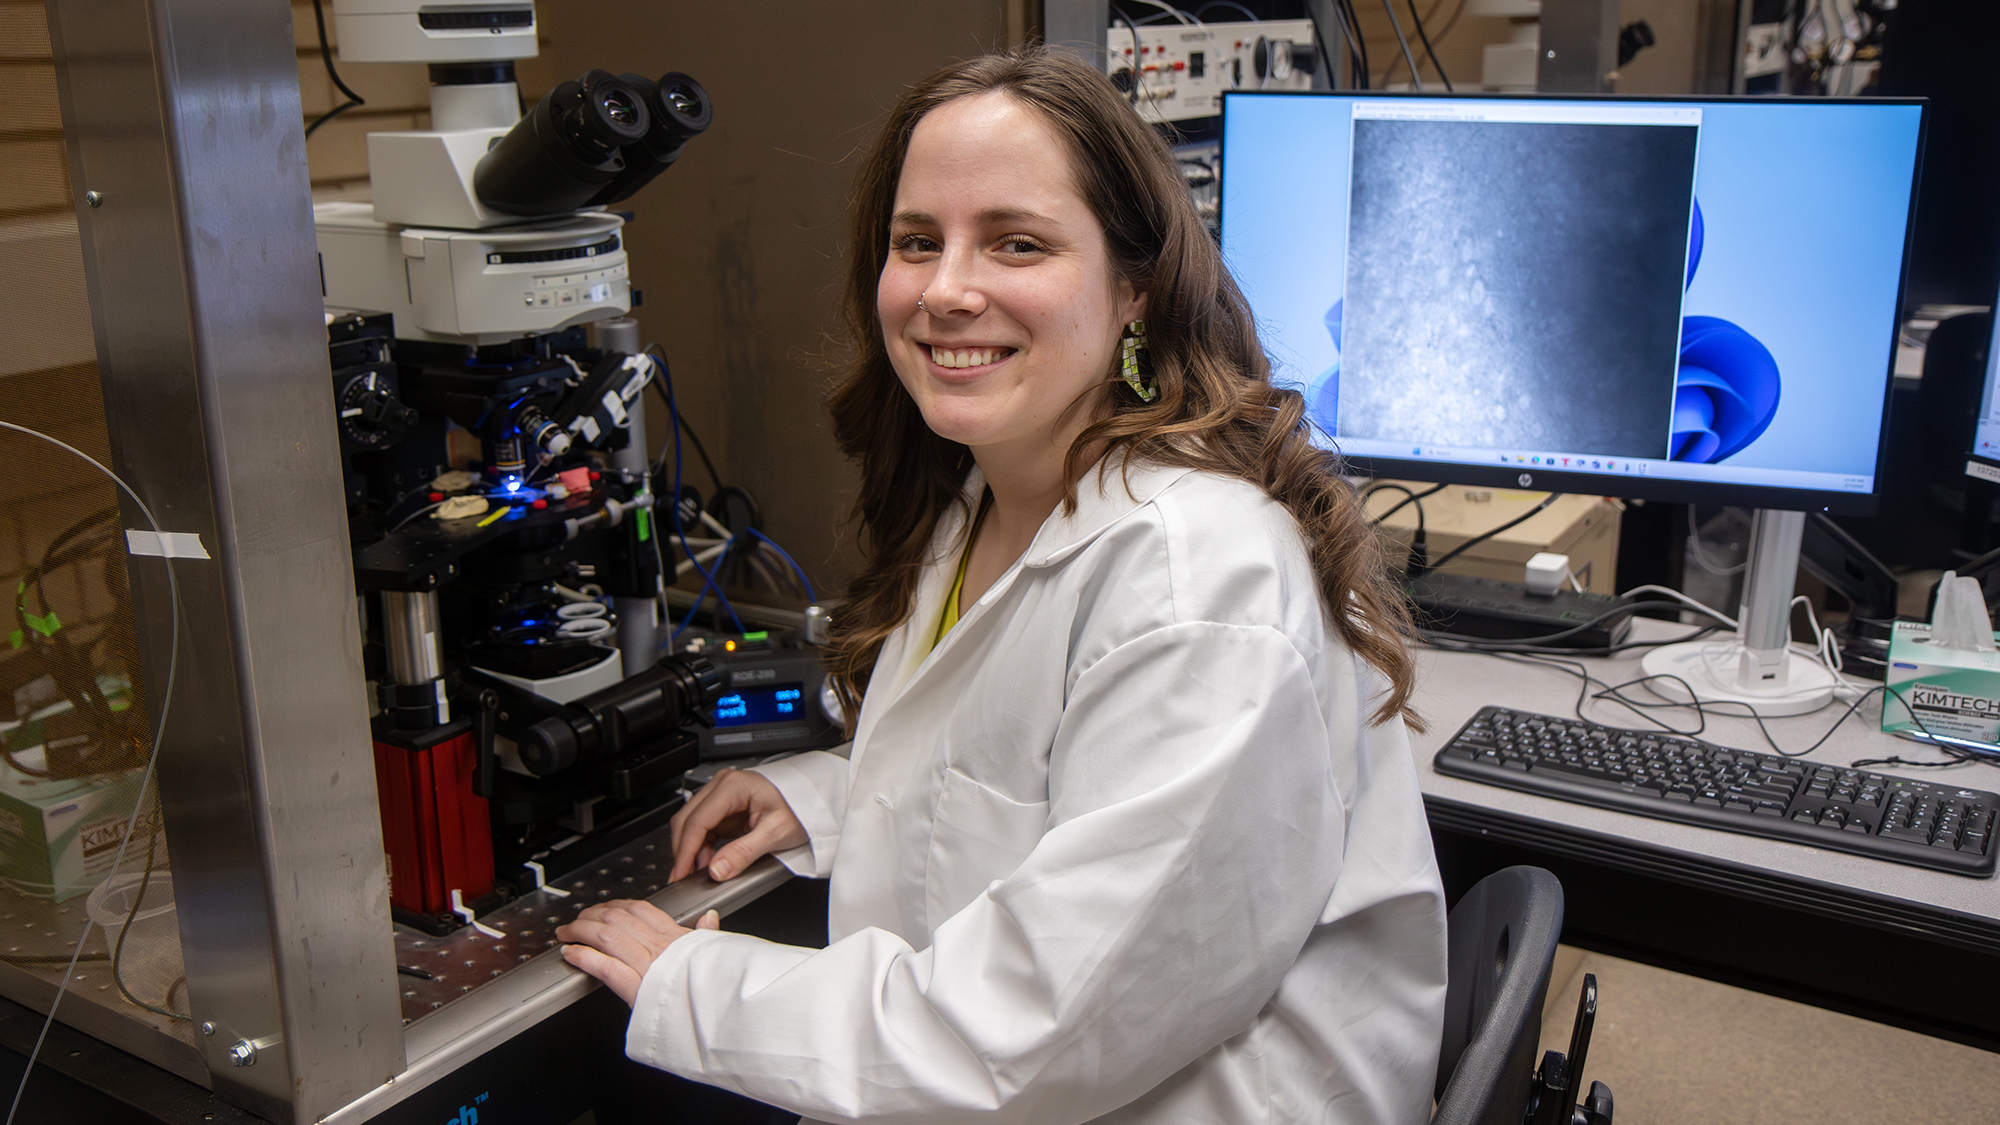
<point>1133,365</point>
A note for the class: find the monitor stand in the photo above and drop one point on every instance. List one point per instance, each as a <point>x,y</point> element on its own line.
<point>1754,666</point>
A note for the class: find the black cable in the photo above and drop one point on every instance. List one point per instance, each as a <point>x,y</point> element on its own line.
<point>139,898</point>
<point>1326,58</point>
<point>1481,538</point>
<point>1955,756</point>
<point>1119,16</point>
<point>1428,49</point>
<point>1442,32</point>
<point>1396,25</point>
<point>1254,17</point>
<point>1418,560</point>
<point>1539,646</point>
<point>1353,22</point>
<point>326,56</point>
<point>1457,14</point>
<point>681,426</point>
<point>1414,498</point>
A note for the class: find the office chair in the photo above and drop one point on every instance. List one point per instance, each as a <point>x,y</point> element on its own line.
<point>1502,945</point>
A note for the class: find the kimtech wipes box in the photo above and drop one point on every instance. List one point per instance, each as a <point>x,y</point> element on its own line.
<point>58,838</point>
<point>1952,691</point>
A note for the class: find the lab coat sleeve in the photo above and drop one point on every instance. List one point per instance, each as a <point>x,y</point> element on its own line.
<point>814,784</point>
<point>1194,835</point>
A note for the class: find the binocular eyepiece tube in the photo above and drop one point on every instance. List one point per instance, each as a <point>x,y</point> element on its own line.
<point>592,141</point>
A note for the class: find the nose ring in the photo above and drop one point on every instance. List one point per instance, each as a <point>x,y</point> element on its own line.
<point>920,301</point>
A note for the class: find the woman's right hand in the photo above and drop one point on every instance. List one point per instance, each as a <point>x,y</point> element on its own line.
<point>745,810</point>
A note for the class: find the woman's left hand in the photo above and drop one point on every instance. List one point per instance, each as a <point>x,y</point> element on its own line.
<point>617,941</point>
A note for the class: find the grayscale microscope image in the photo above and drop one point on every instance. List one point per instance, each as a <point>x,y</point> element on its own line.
<point>1498,272</point>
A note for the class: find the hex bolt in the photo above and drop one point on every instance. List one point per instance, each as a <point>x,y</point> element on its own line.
<point>243,1053</point>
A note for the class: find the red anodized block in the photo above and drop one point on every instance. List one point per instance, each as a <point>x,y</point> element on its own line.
<point>434,826</point>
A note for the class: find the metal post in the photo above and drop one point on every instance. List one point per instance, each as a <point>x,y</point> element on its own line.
<point>1333,36</point>
<point>1765,621</point>
<point>416,658</point>
<point>1579,46</point>
<point>1077,26</point>
<point>183,126</point>
<point>411,622</point>
<point>638,617</point>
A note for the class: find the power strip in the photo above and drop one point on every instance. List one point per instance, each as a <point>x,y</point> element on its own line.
<point>1489,609</point>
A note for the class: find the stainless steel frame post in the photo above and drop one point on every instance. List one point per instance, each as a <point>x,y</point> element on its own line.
<point>638,617</point>
<point>1077,26</point>
<point>188,162</point>
<point>1579,46</point>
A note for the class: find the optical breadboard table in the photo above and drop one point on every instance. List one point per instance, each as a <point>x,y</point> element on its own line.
<point>1877,939</point>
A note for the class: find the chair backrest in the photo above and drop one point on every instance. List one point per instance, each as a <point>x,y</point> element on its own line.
<point>1502,938</point>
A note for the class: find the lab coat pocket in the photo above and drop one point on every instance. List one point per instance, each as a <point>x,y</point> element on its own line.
<point>978,835</point>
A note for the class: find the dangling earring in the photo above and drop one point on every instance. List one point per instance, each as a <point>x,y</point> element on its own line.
<point>1133,365</point>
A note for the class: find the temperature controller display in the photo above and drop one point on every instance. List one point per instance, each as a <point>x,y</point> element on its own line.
<point>766,703</point>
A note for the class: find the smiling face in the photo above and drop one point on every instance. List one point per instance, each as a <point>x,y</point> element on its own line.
<point>1022,309</point>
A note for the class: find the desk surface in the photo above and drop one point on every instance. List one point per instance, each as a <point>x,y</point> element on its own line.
<point>1453,685</point>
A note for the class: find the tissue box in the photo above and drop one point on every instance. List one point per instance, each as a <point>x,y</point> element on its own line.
<point>1953,691</point>
<point>59,838</point>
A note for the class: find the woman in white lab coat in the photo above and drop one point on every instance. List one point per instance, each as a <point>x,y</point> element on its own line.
<point>1128,829</point>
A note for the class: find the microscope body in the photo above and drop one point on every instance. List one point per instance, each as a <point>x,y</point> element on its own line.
<point>500,500</point>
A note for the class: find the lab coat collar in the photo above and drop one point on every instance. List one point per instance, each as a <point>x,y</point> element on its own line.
<point>1112,489</point>
<point>1108,492</point>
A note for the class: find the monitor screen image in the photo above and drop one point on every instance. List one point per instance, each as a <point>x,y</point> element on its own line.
<point>1687,299</point>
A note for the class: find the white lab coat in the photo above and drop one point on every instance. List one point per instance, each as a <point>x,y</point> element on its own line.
<point>1123,847</point>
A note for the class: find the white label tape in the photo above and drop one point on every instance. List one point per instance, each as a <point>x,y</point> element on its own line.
<point>1983,472</point>
<point>165,544</point>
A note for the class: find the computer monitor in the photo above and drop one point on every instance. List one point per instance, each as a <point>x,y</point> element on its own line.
<point>1984,463</point>
<point>1688,300</point>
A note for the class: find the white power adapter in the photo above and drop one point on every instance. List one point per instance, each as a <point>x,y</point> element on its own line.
<point>1547,572</point>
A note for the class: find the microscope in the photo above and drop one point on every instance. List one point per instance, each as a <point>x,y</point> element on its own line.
<point>490,394</point>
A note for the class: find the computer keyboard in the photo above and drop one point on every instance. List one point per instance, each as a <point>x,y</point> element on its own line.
<point>1656,774</point>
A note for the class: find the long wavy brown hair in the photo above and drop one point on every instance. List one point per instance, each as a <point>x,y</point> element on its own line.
<point>1216,410</point>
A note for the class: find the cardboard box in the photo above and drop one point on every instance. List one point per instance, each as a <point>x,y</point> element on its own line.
<point>58,838</point>
<point>1583,527</point>
<point>1953,692</point>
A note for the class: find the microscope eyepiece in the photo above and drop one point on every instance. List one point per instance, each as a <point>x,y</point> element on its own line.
<point>566,150</point>
<point>679,109</point>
